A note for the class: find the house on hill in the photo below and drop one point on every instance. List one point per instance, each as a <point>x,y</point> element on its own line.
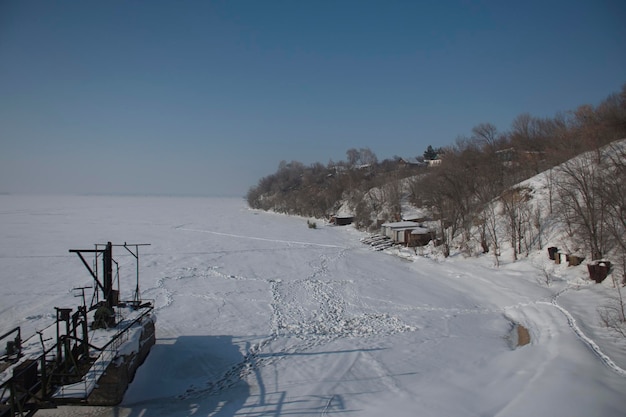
<point>433,162</point>
<point>411,163</point>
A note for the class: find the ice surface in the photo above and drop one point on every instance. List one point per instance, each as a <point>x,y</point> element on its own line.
<point>260,315</point>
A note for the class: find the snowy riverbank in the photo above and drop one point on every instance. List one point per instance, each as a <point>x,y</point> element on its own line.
<point>260,315</point>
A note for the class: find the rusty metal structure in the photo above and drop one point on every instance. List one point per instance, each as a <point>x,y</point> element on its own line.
<point>65,361</point>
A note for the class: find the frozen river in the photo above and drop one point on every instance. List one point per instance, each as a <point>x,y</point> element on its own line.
<point>259,315</point>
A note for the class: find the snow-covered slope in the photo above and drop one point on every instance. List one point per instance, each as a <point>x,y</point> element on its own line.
<point>260,315</point>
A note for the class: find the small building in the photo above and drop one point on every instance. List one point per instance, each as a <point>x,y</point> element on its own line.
<point>411,163</point>
<point>396,231</point>
<point>599,270</point>
<point>341,219</point>
<point>415,215</point>
<point>420,236</point>
<point>408,233</point>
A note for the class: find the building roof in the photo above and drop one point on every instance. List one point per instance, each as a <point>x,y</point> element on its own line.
<point>412,161</point>
<point>401,225</point>
<point>343,215</point>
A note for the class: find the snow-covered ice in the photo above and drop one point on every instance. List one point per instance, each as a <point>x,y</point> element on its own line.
<point>259,315</point>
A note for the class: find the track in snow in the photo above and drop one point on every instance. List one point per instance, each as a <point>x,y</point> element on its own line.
<point>314,311</point>
<point>290,242</point>
<point>571,321</point>
<point>306,314</point>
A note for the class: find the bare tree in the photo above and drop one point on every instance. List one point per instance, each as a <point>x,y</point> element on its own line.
<point>490,217</point>
<point>363,156</point>
<point>581,203</point>
<point>445,211</point>
<point>367,157</point>
<point>392,194</point>
<point>515,208</point>
<point>613,315</point>
<point>613,190</point>
<point>486,135</point>
<point>523,130</point>
<point>549,176</point>
<point>547,276</point>
<point>538,225</point>
<point>352,156</point>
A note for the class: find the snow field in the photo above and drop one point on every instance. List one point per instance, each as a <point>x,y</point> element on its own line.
<point>259,315</point>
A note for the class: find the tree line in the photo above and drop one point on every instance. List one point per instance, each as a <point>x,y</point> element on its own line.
<point>318,190</point>
<point>475,183</point>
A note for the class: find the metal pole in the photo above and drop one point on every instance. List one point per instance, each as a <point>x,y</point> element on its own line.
<point>108,274</point>
<point>137,287</point>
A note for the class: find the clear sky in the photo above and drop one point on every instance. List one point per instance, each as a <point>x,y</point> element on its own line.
<point>207,97</point>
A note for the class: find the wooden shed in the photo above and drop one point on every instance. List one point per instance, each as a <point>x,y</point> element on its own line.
<point>342,219</point>
<point>399,232</point>
<point>599,270</point>
<point>420,236</point>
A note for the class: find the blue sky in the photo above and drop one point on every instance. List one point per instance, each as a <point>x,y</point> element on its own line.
<point>207,97</point>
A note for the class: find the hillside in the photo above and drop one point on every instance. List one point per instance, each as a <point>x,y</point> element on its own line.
<point>576,206</point>
<point>454,182</point>
<point>478,181</point>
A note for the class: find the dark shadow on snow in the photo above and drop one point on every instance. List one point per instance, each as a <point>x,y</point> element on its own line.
<point>209,375</point>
